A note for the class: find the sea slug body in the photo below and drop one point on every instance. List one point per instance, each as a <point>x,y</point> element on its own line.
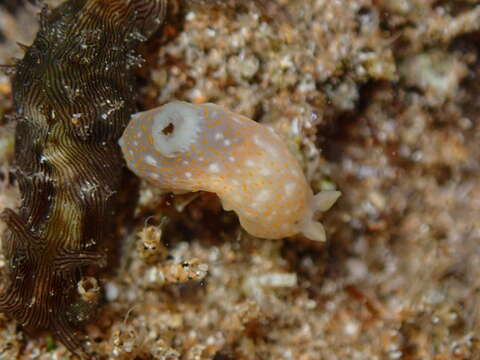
<point>73,95</point>
<point>184,147</point>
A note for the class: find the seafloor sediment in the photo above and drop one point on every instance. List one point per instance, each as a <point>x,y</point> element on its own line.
<point>378,98</point>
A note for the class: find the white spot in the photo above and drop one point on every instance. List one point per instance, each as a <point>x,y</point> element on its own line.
<point>264,195</point>
<point>272,150</point>
<point>290,188</point>
<point>214,168</point>
<point>182,119</point>
<point>150,160</point>
<point>218,136</point>
<point>351,329</point>
<point>188,175</point>
<point>139,134</point>
<point>135,143</point>
<point>265,171</point>
<point>185,162</point>
<point>227,142</point>
<point>201,158</point>
<point>256,206</point>
<point>231,158</point>
<point>250,163</point>
<point>258,141</point>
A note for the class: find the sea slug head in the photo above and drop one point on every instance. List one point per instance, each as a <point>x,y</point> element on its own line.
<point>175,128</point>
<point>157,137</point>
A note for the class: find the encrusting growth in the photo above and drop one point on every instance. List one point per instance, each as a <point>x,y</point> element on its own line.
<point>184,147</point>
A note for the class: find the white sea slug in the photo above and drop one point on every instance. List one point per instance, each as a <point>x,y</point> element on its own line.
<point>184,147</point>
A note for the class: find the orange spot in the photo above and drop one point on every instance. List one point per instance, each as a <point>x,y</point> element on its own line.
<point>199,99</point>
<point>205,110</point>
<point>149,167</point>
<point>150,139</point>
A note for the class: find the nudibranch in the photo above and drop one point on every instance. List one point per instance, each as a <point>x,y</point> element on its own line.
<point>73,94</point>
<point>184,147</point>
